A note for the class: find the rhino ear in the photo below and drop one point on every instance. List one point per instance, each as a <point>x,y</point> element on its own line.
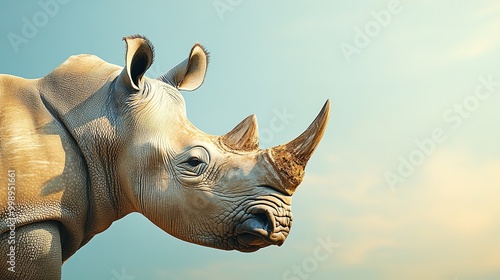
<point>139,57</point>
<point>190,73</point>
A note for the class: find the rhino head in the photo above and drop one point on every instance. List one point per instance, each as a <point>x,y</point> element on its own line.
<point>217,191</point>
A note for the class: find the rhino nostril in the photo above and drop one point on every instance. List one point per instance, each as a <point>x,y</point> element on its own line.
<point>260,228</point>
<point>262,220</point>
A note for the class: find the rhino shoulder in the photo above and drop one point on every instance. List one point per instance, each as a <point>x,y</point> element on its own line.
<point>15,92</point>
<point>82,59</point>
<point>76,79</point>
<point>82,66</point>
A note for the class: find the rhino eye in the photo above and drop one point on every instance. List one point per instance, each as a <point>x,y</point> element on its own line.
<point>194,161</point>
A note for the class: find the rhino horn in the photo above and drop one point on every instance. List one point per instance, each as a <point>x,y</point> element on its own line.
<point>244,137</point>
<point>289,160</point>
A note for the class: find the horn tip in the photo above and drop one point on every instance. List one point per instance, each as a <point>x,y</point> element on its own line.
<point>253,118</point>
<point>244,137</point>
<point>327,105</point>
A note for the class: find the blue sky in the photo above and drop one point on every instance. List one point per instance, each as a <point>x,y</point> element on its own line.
<point>406,180</point>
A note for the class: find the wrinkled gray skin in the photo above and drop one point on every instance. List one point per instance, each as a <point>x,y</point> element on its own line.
<point>92,142</point>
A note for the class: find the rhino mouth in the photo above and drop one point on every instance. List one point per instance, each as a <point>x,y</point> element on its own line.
<point>261,226</point>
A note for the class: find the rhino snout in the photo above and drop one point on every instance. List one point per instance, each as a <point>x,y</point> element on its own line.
<point>263,227</point>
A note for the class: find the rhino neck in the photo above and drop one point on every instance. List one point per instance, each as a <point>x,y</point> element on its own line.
<point>99,143</point>
<point>89,114</point>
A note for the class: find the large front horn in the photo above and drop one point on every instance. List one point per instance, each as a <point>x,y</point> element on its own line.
<point>290,159</point>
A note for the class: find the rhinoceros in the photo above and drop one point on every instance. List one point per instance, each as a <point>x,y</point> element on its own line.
<point>92,142</point>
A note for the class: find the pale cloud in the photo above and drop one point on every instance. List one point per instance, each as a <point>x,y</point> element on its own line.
<point>441,223</point>
<point>464,188</point>
<point>482,40</point>
<point>493,9</point>
<point>358,252</point>
<point>479,43</point>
